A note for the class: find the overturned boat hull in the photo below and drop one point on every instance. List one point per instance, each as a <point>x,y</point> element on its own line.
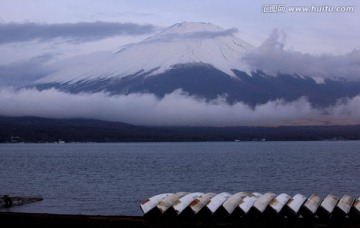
<point>229,206</point>
<point>311,205</point>
<point>343,207</point>
<point>327,206</point>
<point>181,204</point>
<point>150,203</point>
<point>292,208</point>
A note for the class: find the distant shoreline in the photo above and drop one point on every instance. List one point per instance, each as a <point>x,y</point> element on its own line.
<point>42,130</point>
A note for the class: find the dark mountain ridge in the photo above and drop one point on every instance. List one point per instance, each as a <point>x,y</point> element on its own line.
<point>35,129</point>
<point>205,81</point>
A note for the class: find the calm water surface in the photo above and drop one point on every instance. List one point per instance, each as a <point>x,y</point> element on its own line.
<point>111,179</point>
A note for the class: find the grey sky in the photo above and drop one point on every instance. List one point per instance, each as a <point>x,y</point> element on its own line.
<point>35,35</point>
<point>76,32</point>
<point>316,32</point>
<point>66,28</point>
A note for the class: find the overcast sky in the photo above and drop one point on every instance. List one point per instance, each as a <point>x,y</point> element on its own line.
<point>36,33</point>
<point>63,28</point>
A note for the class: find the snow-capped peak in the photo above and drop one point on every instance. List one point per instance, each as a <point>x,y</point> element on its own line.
<point>183,43</point>
<point>191,27</point>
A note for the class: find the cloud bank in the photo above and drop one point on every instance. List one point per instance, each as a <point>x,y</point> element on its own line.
<point>193,35</point>
<point>204,34</point>
<point>75,32</point>
<point>175,109</point>
<point>23,72</point>
<point>273,58</point>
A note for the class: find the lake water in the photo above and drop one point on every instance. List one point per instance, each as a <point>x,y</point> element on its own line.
<point>112,179</point>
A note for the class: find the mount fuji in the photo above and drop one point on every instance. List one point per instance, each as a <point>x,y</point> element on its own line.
<point>202,60</point>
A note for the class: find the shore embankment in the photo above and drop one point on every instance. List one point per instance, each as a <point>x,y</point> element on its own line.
<point>30,220</point>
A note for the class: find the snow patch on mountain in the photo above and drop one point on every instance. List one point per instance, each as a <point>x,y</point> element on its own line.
<point>183,43</point>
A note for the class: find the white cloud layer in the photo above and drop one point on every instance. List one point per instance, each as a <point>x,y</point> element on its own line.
<point>273,58</point>
<point>74,32</point>
<point>175,109</point>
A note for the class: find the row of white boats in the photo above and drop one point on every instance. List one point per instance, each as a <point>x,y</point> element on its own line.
<point>245,204</point>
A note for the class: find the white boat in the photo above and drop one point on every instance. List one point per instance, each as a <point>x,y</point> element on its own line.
<point>292,208</point>
<point>277,204</point>
<point>327,206</point>
<point>355,209</point>
<point>150,203</point>
<point>262,202</point>
<point>233,201</point>
<point>168,201</point>
<point>217,201</point>
<point>343,207</point>
<point>182,203</point>
<point>246,204</point>
<point>311,205</point>
<point>201,202</point>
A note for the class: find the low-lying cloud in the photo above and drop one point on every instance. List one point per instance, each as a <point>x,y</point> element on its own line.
<point>175,109</point>
<point>194,35</point>
<point>23,72</point>
<point>74,32</point>
<point>273,58</point>
<point>207,34</point>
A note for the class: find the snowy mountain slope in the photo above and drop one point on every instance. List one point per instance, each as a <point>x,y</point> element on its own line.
<point>184,43</point>
<point>201,59</point>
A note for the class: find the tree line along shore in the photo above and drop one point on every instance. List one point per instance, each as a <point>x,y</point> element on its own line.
<point>41,130</point>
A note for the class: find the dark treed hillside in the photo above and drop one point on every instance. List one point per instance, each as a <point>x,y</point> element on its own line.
<point>33,129</point>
